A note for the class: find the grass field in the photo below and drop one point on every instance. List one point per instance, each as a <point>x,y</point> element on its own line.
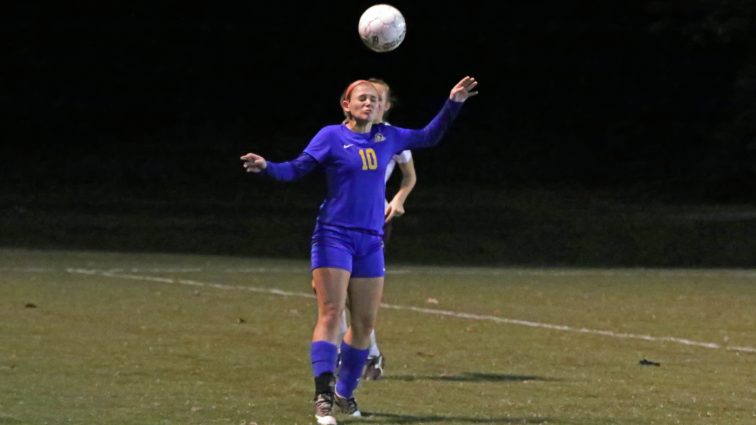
<point>109,338</point>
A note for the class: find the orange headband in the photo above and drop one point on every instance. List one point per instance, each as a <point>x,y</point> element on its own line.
<point>352,86</point>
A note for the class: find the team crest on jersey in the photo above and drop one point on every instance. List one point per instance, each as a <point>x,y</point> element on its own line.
<point>379,137</point>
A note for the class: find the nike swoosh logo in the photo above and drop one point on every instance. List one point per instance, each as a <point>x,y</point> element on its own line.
<point>349,145</point>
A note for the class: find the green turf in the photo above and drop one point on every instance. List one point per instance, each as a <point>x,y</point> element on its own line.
<point>107,343</point>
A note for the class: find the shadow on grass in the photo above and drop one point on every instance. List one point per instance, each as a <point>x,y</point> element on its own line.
<point>389,418</point>
<point>471,377</point>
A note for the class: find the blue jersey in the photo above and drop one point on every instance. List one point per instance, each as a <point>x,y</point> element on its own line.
<point>355,167</point>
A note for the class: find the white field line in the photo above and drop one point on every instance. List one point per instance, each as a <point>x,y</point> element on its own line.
<point>187,282</point>
<point>747,274</point>
<point>431,311</point>
<point>131,270</point>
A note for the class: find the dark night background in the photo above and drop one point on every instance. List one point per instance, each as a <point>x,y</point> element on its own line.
<point>606,133</point>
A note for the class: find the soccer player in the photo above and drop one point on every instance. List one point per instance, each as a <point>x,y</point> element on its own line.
<point>395,208</point>
<point>347,248</point>
<point>376,360</point>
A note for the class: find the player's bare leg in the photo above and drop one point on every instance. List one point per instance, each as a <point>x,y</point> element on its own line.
<point>364,300</point>
<point>330,285</point>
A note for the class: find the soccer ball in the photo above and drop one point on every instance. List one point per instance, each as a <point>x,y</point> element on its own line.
<point>382,28</point>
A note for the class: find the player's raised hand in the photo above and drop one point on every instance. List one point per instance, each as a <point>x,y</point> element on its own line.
<point>253,163</point>
<point>464,89</point>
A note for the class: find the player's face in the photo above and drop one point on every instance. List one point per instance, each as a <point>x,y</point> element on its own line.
<point>362,104</point>
<point>383,102</point>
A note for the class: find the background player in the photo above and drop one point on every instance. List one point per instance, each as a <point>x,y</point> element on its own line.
<point>395,208</point>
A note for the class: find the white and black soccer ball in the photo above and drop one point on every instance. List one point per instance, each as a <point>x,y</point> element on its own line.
<point>382,28</point>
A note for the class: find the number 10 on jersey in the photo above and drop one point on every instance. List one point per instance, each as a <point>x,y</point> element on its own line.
<point>369,159</point>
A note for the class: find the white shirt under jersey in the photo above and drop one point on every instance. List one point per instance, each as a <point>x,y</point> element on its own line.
<point>402,157</point>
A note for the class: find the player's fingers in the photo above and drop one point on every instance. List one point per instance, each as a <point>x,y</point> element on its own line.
<point>467,81</point>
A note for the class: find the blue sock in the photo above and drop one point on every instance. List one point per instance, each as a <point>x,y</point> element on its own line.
<point>323,356</point>
<point>352,363</point>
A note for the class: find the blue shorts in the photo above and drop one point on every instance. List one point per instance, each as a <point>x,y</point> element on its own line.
<point>357,252</point>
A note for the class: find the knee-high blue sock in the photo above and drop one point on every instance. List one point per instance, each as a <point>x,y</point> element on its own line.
<point>352,363</point>
<point>323,355</point>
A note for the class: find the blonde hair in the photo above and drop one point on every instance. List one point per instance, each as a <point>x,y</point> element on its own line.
<point>389,94</point>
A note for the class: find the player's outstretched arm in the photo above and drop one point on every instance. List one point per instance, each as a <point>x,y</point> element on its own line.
<point>464,89</point>
<point>282,171</point>
<point>253,163</point>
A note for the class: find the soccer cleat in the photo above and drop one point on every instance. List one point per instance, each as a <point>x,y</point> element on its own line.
<point>347,405</point>
<point>374,368</point>
<point>324,409</point>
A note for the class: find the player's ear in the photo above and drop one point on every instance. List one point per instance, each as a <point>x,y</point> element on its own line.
<point>345,105</point>
<point>388,106</point>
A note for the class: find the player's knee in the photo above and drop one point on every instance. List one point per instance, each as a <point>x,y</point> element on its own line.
<point>362,326</point>
<point>330,317</point>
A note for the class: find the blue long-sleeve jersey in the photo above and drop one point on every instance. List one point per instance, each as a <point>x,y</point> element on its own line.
<point>355,166</point>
